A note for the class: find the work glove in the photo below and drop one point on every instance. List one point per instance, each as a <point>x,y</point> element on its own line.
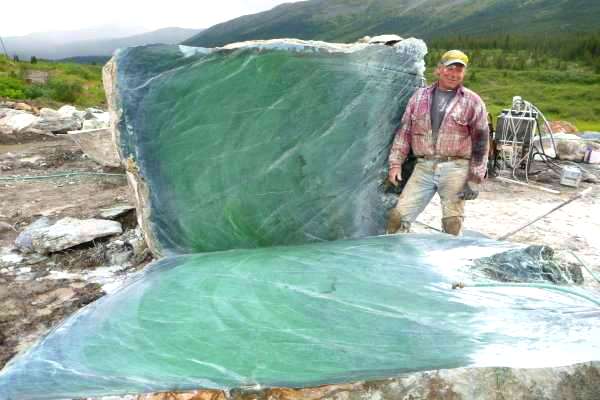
<point>470,192</point>
<point>395,175</point>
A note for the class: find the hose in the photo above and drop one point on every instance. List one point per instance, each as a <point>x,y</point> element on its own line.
<point>461,285</point>
<point>63,175</point>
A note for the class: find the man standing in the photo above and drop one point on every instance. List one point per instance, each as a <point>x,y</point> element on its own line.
<point>446,127</point>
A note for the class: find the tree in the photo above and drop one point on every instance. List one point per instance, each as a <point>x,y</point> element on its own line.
<point>16,58</point>
<point>33,59</point>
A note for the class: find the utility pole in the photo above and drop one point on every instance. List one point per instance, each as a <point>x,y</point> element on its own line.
<point>4,48</point>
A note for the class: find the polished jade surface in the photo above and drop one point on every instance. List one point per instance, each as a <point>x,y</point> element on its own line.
<point>265,144</point>
<point>306,315</point>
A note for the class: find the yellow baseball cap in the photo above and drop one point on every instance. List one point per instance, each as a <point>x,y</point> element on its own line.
<point>454,57</point>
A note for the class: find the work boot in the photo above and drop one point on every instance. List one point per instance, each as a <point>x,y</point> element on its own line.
<point>452,225</point>
<point>396,224</point>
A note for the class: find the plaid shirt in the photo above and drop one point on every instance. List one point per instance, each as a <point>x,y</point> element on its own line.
<point>464,131</point>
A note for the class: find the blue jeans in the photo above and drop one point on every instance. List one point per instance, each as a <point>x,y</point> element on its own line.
<point>447,178</point>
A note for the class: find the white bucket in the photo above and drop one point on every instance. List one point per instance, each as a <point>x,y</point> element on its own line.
<point>592,156</point>
<point>571,176</point>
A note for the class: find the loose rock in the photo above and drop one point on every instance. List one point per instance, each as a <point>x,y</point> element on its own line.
<point>89,124</point>
<point>115,212</point>
<point>23,107</point>
<point>17,121</point>
<point>561,127</point>
<point>24,241</point>
<point>66,233</point>
<point>58,124</point>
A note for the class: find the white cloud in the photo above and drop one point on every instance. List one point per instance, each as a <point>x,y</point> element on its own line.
<point>23,17</point>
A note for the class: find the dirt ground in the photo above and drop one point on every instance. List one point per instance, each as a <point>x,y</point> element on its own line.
<point>504,207</point>
<point>38,292</point>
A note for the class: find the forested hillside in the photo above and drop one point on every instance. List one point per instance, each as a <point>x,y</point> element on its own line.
<point>348,20</point>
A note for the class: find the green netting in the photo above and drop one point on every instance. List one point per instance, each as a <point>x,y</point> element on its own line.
<point>303,316</point>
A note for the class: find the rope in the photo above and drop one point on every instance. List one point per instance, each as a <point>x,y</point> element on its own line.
<point>63,175</point>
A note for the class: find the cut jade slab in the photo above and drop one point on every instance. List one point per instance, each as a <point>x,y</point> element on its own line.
<point>307,315</point>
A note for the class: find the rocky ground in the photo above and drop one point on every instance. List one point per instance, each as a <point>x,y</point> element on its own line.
<point>502,207</point>
<point>38,291</point>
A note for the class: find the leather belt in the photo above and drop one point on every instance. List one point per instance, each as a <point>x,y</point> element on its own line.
<point>442,158</point>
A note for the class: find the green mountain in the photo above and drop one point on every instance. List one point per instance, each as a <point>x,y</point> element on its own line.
<point>348,20</point>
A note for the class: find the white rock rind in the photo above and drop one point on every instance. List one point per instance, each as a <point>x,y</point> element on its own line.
<point>69,232</point>
<point>139,188</point>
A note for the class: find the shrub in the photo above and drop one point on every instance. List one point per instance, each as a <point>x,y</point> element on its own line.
<point>11,87</point>
<point>78,70</point>
<point>34,91</point>
<point>64,91</point>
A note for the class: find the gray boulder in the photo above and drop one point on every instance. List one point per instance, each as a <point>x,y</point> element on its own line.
<point>15,121</point>
<point>94,118</point>
<point>115,212</point>
<point>569,147</point>
<point>58,124</point>
<point>49,113</point>
<point>67,118</point>
<point>98,145</point>
<point>4,111</point>
<point>71,112</point>
<point>24,241</point>
<point>90,124</point>
<point>65,233</point>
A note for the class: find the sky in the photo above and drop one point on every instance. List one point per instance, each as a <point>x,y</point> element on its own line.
<point>19,18</point>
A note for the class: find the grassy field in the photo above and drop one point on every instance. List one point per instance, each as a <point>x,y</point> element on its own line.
<point>75,84</point>
<point>561,90</point>
<point>571,96</point>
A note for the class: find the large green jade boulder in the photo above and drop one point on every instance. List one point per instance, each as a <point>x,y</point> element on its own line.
<point>261,143</point>
<point>302,316</point>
